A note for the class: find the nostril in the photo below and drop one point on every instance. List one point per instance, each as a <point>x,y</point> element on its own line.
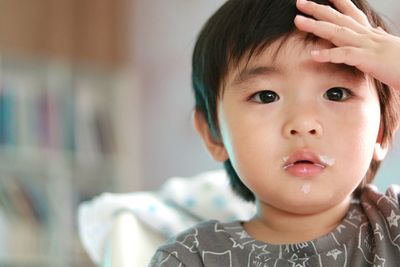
<point>312,132</point>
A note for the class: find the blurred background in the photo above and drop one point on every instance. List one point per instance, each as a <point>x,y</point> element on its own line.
<point>95,96</point>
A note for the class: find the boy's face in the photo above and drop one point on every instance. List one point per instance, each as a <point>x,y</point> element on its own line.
<point>275,109</point>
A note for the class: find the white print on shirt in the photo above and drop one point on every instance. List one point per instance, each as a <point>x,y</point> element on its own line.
<point>355,214</point>
<point>169,260</point>
<point>340,227</point>
<point>259,256</point>
<point>391,199</point>
<point>191,242</point>
<point>393,219</point>
<point>298,262</point>
<point>365,241</point>
<point>241,245</point>
<point>334,253</point>
<point>336,257</point>
<point>379,262</point>
<point>378,231</point>
<point>243,235</point>
<point>292,248</point>
<point>394,240</point>
<point>210,258</point>
<point>220,229</point>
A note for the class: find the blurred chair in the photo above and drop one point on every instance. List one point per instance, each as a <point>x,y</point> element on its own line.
<point>131,242</point>
<point>119,230</point>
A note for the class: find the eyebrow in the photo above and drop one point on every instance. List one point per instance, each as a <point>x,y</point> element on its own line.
<point>249,73</point>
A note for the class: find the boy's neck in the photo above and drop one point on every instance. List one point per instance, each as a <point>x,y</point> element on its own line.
<point>275,226</point>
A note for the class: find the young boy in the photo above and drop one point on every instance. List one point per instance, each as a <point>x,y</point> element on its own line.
<point>299,101</point>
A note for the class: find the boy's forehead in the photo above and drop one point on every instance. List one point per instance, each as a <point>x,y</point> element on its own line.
<point>279,57</point>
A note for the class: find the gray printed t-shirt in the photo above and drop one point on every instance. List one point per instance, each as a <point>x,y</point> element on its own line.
<point>369,235</point>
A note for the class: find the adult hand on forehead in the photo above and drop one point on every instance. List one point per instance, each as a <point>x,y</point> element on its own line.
<point>371,50</point>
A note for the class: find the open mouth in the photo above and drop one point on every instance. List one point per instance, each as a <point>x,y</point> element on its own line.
<point>307,162</point>
<point>303,162</point>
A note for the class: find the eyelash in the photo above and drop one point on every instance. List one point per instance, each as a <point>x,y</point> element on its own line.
<point>348,93</point>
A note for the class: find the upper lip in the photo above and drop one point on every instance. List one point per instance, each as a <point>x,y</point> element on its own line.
<point>303,155</point>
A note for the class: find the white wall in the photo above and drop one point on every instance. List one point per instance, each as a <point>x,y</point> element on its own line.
<point>162,41</point>
<point>390,170</point>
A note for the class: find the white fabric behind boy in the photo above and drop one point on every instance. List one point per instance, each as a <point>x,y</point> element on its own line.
<point>178,205</point>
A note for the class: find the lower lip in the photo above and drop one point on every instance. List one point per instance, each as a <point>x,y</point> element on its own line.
<point>304,170</point>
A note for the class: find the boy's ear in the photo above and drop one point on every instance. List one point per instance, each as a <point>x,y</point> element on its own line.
<point>215,147</point>
<point>380,151</point>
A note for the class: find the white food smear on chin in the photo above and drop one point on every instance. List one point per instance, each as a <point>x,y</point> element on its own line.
<point>306,188</point>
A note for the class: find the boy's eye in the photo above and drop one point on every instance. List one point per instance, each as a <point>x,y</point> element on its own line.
<point>265,97</point>
<point>338,94</point>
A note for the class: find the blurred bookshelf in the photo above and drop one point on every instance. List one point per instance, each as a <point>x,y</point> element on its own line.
<point>68,117</point>
<point>57,148</point>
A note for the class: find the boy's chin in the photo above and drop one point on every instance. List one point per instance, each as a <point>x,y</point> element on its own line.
<point>311,203</point>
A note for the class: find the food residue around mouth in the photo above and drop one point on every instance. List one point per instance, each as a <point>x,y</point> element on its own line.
<point>306,188</point>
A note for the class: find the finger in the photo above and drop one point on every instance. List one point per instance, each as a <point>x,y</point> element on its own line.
<point>348,8</point>
<point>339,55</point>
<point>379,30</point>
<point>338,35</point>
<point>327,13</point>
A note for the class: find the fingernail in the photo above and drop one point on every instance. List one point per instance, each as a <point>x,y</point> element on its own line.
<point>315,52</point>
<point>302,2</point>
<point>301,18</point>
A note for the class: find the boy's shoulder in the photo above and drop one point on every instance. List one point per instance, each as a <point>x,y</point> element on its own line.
<point>389,201</point>
<point>383,210</point>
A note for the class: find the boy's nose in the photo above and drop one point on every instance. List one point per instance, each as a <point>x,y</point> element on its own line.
<point>303,128</point>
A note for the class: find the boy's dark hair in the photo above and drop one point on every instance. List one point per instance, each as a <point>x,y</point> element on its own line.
<point>241,29</point>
